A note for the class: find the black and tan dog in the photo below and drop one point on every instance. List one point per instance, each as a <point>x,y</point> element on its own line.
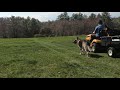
<point>83,46</point>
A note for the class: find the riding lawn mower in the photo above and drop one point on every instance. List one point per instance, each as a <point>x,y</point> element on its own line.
<point>109,43</point>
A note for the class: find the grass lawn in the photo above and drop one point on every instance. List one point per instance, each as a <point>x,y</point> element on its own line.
<point>52,57</point>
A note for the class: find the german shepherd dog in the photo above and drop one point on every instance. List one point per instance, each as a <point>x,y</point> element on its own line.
<point>83,46</point>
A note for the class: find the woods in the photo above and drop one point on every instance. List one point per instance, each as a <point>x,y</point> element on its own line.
<point>64,25</point>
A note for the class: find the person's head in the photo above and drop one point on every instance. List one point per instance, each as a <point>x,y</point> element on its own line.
<point>100,22</point>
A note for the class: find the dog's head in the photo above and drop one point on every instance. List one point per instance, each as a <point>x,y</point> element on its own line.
<point>76,40</point>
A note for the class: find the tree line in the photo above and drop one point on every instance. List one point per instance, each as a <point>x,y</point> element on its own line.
<point>64,25</point>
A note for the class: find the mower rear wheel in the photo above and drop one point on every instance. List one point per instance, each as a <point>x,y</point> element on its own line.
<point>111,52</point>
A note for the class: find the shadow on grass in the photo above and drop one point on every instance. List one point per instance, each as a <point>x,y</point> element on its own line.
<point>116,56</point>
<point>95,56</point>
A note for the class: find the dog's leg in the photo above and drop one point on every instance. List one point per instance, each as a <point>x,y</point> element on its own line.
<point>83,52</point>
<point>80,52</point>
<point>89,48</point>
<point>87,53</point>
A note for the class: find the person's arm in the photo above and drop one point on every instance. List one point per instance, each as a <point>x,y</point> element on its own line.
<point>94,30</point>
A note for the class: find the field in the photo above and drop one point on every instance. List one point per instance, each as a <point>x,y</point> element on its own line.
<point>52,57</point>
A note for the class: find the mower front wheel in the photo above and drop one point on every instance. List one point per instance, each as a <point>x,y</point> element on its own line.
<point>111,52</point>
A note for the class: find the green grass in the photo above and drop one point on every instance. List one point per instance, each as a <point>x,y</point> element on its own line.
<point>52,57</point>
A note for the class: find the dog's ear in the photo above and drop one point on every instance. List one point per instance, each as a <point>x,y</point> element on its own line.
<point>77,38</point>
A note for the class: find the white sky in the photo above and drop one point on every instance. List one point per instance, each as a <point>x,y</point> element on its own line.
<point>45,16</point>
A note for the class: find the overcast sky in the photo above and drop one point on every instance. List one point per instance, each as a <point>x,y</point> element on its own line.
<point>45,16</point>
